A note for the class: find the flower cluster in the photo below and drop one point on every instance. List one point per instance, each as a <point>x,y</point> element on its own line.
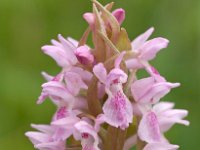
<point>100,102</point>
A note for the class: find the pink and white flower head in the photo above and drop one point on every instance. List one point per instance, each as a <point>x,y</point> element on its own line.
<point>145,50</point>
<point>89,91</point>
<point>117,109</point>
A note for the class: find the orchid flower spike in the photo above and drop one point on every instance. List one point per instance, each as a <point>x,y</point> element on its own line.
<point>100,102</point>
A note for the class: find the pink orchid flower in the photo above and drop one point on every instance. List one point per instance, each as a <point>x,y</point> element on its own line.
<point>158,120</point>
<point>167,116</point>
<point>145,50</point>
<point>117,109</point>
<point>66,52</point>
<point>64,122</point>
<point>54,136</point>
<point>152,89</point>
<point>60,92</point>
<point>44,140</point>
<point>62,52</point>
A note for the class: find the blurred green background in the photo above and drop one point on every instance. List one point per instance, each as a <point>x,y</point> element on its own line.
<point>26,25</point>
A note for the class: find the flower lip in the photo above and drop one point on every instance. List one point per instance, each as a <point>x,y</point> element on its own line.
<point>149,129</point>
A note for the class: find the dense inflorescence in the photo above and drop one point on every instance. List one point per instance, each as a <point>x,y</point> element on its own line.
<point>100,102</point>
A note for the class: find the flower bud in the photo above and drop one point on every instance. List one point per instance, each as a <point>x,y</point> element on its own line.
<point>119,15</point>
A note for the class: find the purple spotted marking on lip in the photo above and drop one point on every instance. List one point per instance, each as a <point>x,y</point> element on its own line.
<point>154,126</point>
<point>61,113</point>
<point>85,135</point>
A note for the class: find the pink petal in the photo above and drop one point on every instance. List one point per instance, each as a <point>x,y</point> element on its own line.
<point>100,119</point>
<point>140,108</point>
<point>152,71</point>
<point>162,106</point>
<point>147,90</point>
<point>62,52</point>
<point>140,87</point>
<point>37,137</point>
<point>84,55</point>
<point>160,146</point>
<point>152,47</point>
<point>84,127</point>
<point>56,43</point>
<point>119,15</point>
<point>47,76</point>
<point>42,97</point>
<point>155,93</point>
<point>85,75</point>
<point>73,41</point>
<point>61,112</point>
<point>74,82</point>
<point>57,90</point>
<point>58,77</point>
<point>89,17</point>
<point>133,64</point>
<point>141,39</point>
<point>67,122</point>
<point>168,117</point>
<point>116,75</point>
<point>58,54</point>
<point>43,128</point>
<point>118,110</point>
<point>55,145</point>
<point>119,59</point>
<point>80,103</point>
<point>65,127</point>
<point>100,72</point>
<point>64,120</point>
<point>67,44</point>
<point>148,129</point>
<point>69,49</point>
